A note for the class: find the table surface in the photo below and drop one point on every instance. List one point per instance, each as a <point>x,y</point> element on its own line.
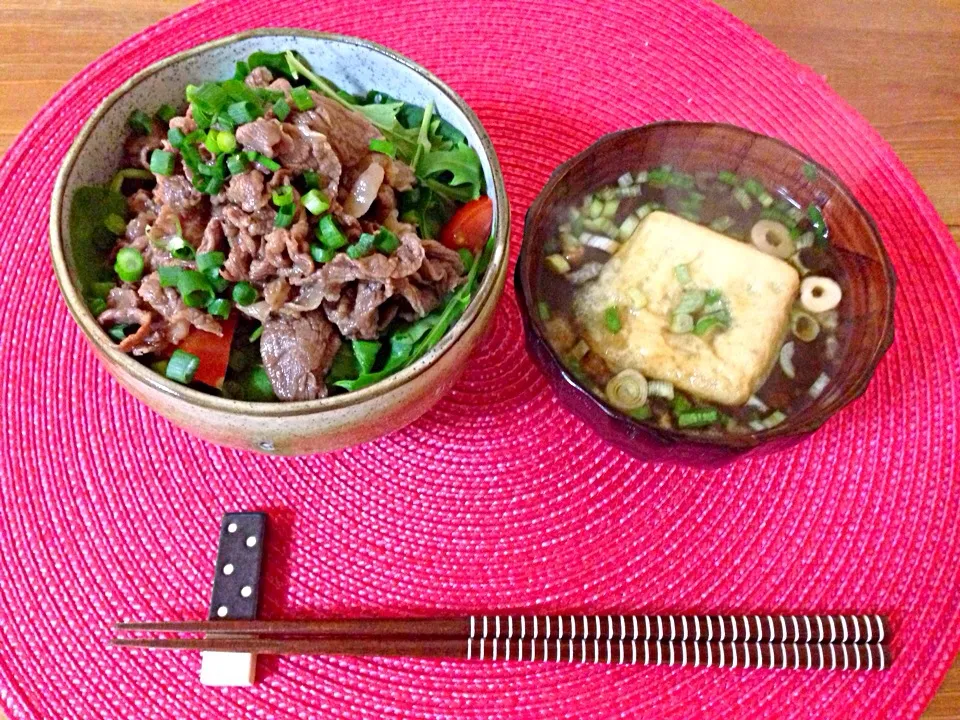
<point>895,61</point>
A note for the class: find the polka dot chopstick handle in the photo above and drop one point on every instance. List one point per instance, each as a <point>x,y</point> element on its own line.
<point>785,656</point>
<point>843,629</point>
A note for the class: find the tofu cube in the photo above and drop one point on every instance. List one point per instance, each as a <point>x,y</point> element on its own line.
<point>725,367</point>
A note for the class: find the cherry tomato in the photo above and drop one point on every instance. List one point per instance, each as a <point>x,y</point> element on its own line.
<point>213,351</point>
<point>470,226</point>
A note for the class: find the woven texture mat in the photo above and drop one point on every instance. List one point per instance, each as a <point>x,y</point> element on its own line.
<point>497,499</point>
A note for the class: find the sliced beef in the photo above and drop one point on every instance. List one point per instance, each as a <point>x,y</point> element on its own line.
<point>397,173</point>
<point>212,236</point>
<point>184,124</point>
<point>357,312</point>
<point>124,308</point>
<point>348,132</point>
<point>138,148</point>
<point>256,224</point>
<point>167,303</point>
<point>177,192</point>
<point>297,353</point>
<point>259,77</point>
<point>246,190</point>
<point>260,135</point>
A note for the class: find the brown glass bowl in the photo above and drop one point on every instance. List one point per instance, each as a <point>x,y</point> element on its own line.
<point>862,269</point>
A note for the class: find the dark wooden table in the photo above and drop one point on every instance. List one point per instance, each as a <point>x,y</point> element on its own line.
<point>896,61</point>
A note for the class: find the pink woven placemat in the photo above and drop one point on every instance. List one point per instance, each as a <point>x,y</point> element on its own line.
<point>497,499</point>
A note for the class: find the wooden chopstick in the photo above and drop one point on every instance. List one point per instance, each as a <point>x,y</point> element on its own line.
<point>844,629</point>
<point>628,652</point>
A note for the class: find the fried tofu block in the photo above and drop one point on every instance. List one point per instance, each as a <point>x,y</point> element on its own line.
<point>722,367</point>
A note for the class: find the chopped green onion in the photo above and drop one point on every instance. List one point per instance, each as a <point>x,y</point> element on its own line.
<point>712,295</point>
<point>819,224</point>
<point>610,208</point>
<point>681,323</point>
<point>243,112</point>
<point>301,98</point>
<point>754,187</point>
<point>810,171</point>
<point>365,351</point>
<point>255,335</point>
<point>194,288</point>
<point>284,216</point>
<point>682,273</point>
<point>387,242</point>
<point>660,388</point>
<point>217,281</point>
<point>166,113</point>
<point>698,418</point>
<point>168,275</point>
<point>611,318</point>
<point>680,404</point>
<point>226,141</point>
<point>329,234</point>
<point>209,97</point>
<point>202,118</point>
<point>180,248</point>
<point>595,209</point>
<point>727,177</point>
<point>311,180</point>
<point>241,71</point>
<point>115,224</point>
<point>315,202</point>
<point>175,137</point>
<point>691,301</point>
<point>237,164</point>
<point>543,310</point>
<point>210,141</point>
<point>162,162</point>
<point>641,413</point>
<point>210,260</point>
<point>281,109</point>
<point>119,332</point>
<point>129,265</point>
<point>742,197</point>
<point>101,289</point>
<point>773,419</point>
<point>628,226</point>
<point>321,254</point>
<point>140,122</point>
<point>213,186</point>
<point>659,177</point>
<point>722,223</point>
<point>283,195</point>
<point>625,180</point>
<point>220,308</point>
<point>707,323</point>
<point>97,305</point>
<point>271,165</point>
<point>383,146</point>
<point>244,293</point>
<point>182,366</point>
<point>362,246</point>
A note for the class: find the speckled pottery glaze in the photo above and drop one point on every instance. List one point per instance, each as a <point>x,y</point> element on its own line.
<point>280,428</point>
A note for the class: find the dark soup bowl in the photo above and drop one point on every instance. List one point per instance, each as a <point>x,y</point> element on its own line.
<point>695,292</point>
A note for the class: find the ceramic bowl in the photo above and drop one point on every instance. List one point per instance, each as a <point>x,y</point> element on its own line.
<point>864,272</point>
<point>297,427</point>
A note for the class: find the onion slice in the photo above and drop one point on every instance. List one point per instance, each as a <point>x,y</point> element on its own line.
<point>364,191</point>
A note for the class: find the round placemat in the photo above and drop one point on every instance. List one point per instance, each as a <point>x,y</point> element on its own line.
<point>496,499</point>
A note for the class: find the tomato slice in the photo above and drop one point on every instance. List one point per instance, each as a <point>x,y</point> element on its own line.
<point>470,225</point>
<point>213,351</point>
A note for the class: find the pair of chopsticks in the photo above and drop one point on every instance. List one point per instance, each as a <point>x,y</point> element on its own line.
<point>824,642</point>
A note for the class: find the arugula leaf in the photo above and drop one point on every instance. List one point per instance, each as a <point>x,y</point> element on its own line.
<point>426,208</point>
<point>89,236</point>
<point>411,342</point>
<point>461,163</point>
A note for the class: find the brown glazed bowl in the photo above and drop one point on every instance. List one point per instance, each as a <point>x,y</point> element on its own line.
<point>864,272</point>
<point>297,427</point>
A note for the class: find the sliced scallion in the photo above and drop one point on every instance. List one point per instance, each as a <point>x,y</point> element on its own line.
<point>611,318</point>
<point>244,293</point>
<point>543,311</point>
<point>219,307</point>
<point>321,254</point>
<point>243,112</point>
<point>194,288</point>
<point>681,323</point>
<point>237,164</point>
<point>682,273</point>
<point>698,418</point>
<point>301,98</point>
<point>162,162</point>
<point>166,113</point>
<point>283,195</point>
<point>182,366</point>
<point>210,260</point>
<point>140,122</point>
<point>168,275</point>
<point>268,163</point>
<point>129,265</point>
<point>281,109</point>
<point>329,234</point>
<point>362,247</point>
<point>226,141</point>
<point>315,202</point>
<point>180,248</point>
<point>387,243</point>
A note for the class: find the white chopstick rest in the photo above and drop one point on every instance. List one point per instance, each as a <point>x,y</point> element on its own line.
<point>235,596</point>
